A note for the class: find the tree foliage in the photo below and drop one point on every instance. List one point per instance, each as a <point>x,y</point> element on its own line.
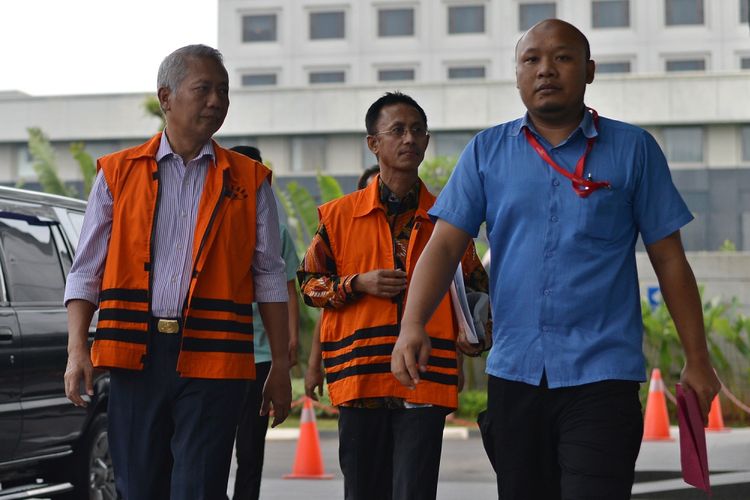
<point>436,172</point>
<point>86,164</point>
<point>45,163</point>
<point>152,108</point>
<point>727,335</point>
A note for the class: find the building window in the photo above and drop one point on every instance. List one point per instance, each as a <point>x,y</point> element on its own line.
<point>259,28</point>
<point>610,13</point>
<point>744,7</point>
<point>327,77</point>
<point>258,79</point>
<point>25,163</point>
<point>683,12</point>
<point>531,13</point>
<point>466,72</point>
<point>450,143</point>
<point>746,143</point>
<point>686,65</point>
<point>309,154</point>
<point>745,63</point>
<point>466,19</point>
<point>395,22</point>
<point>683,144</point>
<point>391,75</point>
<point>613,67</point>
<point>326,25</point>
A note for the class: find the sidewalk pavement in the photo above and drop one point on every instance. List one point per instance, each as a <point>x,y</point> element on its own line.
<point>465,471</point>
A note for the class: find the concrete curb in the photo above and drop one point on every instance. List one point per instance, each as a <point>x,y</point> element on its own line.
<point>293,433</point>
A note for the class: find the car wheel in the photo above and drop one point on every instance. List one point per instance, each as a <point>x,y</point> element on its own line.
<point>91,470</point>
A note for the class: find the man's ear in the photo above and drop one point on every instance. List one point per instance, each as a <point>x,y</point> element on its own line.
<point>590,70</point>
<point>373,143</point>
<point>163,95</point>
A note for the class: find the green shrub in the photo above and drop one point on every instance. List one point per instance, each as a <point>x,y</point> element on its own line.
<point>470,403</point>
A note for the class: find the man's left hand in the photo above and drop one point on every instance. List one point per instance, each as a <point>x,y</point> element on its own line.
<point>277,392</point>
<point>699,377</point>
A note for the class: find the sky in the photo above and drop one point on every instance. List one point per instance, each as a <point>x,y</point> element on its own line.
<point>62,47</point>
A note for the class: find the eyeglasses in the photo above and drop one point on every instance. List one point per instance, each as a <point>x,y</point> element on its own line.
<point>400,131</point>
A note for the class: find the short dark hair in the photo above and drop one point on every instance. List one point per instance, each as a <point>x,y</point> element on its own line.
<point>249,151</point>
<point>579,33</point>
<point>388,99</point>
<point>366,174</point>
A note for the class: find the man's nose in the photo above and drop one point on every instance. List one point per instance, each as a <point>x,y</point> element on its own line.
<point>546,66</point>
<point>216,98</point>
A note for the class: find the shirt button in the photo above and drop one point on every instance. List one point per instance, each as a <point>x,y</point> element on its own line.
<point>174,279</point>
<point>179,246</point>
<point>183,213</point>
<point>553,218</point>
<point>555,182</point>
<point>545,328</point>
<point>547,292</point>
<point>549,254</point>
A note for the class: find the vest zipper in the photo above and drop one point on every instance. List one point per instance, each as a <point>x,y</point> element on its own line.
<point>203,240</point>
<point>149,341</point>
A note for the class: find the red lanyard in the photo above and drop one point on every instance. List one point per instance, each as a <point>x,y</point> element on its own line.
<point>582,187</point>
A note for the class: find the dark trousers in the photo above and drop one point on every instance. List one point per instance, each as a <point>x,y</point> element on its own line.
<point>251,437</point>
<point>567,443</point>
<point>390,454</point>
<point>171,437</point>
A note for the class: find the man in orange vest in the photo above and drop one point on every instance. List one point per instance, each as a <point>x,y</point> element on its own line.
<point>179,239</point>
<point>357,269</point>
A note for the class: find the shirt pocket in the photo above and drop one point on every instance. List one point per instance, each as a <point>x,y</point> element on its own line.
<point>601,215</point>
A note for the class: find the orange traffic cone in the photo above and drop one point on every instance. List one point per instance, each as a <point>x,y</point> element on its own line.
<point>308,462</point>
<point>715,418</point>
<point>656,420</point>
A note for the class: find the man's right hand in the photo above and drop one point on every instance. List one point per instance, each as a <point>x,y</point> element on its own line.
<point>410,354</point>
<point>79,368</point>
<point>380,282</point>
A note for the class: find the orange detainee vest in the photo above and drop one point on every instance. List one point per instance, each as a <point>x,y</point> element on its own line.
<point>217,336</point>
<point>358,338</point>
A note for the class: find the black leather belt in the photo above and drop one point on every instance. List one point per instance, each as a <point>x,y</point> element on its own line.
<point>165,325</point>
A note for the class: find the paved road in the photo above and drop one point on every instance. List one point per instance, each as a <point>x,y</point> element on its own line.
<point>466,473</point>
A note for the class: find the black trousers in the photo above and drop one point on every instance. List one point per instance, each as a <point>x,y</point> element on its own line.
<point>567,443</point>
<point>251,437</point>
<point>390,454</point>
<point>171,437</point>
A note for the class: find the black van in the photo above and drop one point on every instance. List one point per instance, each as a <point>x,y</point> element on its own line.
<point>48,446</point>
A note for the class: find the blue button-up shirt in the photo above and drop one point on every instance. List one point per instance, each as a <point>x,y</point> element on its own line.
<point>564,285</point>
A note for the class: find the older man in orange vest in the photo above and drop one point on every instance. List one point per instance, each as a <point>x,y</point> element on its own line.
<point>179,239</point>
<point>357,269</point>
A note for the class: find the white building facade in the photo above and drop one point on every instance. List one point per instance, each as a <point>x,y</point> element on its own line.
<point>293,43</point>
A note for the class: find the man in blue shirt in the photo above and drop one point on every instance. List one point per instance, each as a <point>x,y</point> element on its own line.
<point>565,195</point>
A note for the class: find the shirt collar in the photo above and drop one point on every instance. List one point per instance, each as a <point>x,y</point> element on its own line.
<point>587,127</point>
<point>393,205</point>
<point>165,150</point>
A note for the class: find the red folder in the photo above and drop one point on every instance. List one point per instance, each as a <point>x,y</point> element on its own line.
<point>693,454</point>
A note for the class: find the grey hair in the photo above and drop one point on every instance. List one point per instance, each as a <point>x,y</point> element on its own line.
<point>173,68</point>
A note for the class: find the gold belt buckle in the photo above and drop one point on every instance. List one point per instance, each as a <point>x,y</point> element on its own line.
<point>168,326</point>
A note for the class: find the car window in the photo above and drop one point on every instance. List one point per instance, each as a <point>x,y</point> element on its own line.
<point>76,218</point>
<point>30,259</point>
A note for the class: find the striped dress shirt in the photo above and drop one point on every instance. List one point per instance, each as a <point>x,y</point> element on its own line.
<point>181,189</point>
